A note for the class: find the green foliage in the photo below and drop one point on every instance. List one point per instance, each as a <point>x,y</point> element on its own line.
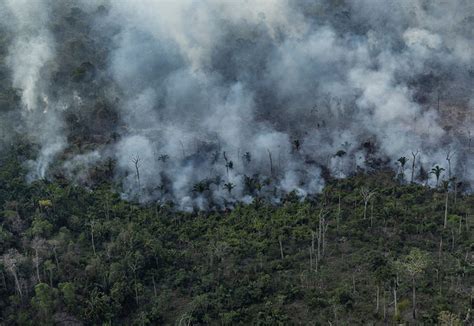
<point>45,301</point>
<point>104,260</point>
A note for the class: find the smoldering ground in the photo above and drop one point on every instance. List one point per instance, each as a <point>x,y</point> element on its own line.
<point>206,103</point>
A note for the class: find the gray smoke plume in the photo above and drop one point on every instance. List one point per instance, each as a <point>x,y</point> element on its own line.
<point>30,57</point>
<point>206,103</point>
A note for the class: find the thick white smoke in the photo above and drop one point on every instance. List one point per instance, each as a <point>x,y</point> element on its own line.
<point>221,101</point>
<point>30,57</point>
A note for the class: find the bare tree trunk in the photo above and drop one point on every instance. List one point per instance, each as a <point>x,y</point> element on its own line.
<point>154,285</point>
<point>51,277</point>
<point>460,225</point>
<point>371,213</point>
<point>281,247</point>
<point>319,239</point>
<point>353,284</point>
<point>452,237</point>
<point>92,238</point>
<point>182,148</point>
<point>136,293</point>
<point>338,212</point>
<point>4,281</point>
<point>136,162</point>
<point>446,209</point>
<point>413,165</point>
<point>325,228</point>
<point>37,265</point>
<point>56,257</point>
<point>414,298</point>
<point>455,193</point>
<point>440,250</point>
<point>271,162</point>
<point>395,302</point>
<point>448,158</point>
<point>377,300</point>
<point>17,283</point>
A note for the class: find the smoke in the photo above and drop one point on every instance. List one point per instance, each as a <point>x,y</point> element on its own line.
<point>30,57</point>
<point>207,103</point>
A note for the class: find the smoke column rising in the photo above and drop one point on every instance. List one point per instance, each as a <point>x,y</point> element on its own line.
<point>221,101</point>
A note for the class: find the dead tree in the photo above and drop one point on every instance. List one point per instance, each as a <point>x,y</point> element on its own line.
<point>449,156</point>
<point>446,185</point>
<point>11,260</point>
<point>413,165</point>
<point>280,241</point>
<point>271,162</point>
<point>182,149</point>
<point>395,301</point>
<point>92,224</point>
<point>137,163</point>
<point>367,194</point>
<point>229,165</point>
<point>338,217</point>
<point>319,237</point>
<point>37,245</point>
<point>377,297</point>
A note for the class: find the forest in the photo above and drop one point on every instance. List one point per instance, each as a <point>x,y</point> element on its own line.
<point>221,162</point>
<point>367,250</point>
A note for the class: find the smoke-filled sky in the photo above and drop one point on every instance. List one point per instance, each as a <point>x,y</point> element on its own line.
<point>219,101</point>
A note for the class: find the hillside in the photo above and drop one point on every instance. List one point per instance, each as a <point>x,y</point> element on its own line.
<point>236,162</point>
<point>72,256</point>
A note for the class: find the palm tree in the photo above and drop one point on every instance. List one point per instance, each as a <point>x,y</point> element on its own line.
<point>247,157</point>
<point>163,158</point>
<point>297,145</point>
<point>201,186</point>
<point>437,172</point>
<point>402,160</point>
<point>229,165</point>
<point>229,186</point>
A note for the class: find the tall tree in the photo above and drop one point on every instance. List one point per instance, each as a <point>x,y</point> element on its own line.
<point>437,170</point>
<point>367,194</point>
<point>137,163</point>
<point>402,161</point>
<point>413,164</point>
<point>413,265</point>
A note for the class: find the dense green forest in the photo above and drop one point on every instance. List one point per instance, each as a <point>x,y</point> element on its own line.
<point>367,250</point>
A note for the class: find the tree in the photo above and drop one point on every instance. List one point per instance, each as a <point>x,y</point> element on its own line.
<point>136,162</point>
<point>403,161</point>
<point>296,145</point>
<point>413,164</point>
<point>367,194</point>
<point>11,260</point>
<point>423,175</point>
<point>247,157</point>
<point>449,156</point>
<point>45,301</point>
<point>414,264</point>
<point>446,318</point>
<point>437,172</point>
<point>251,184</point>
<point>229,165</point>
<point>38,245</point>
<point>201,186</point>
<point>446,187</point>
<point>271,162</point>
<point>229,186</point>
<point>163,158</point>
